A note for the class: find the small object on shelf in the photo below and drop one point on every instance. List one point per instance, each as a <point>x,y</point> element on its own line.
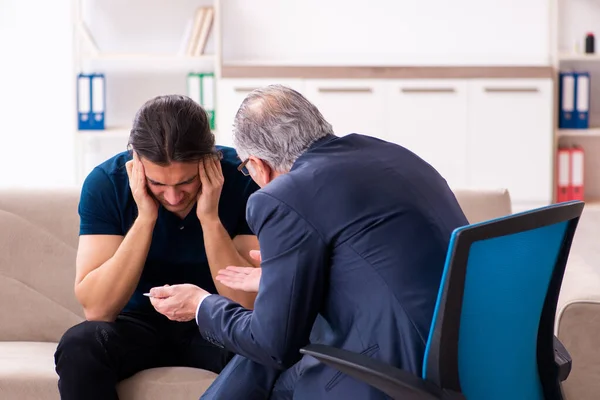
<point>589,43</point>
<point>90,101</point>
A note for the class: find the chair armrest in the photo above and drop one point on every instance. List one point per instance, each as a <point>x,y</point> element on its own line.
<point>563,360</point>
<point>392,381</point>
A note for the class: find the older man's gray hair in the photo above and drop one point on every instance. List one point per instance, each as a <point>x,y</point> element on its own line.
<point>277,124</point>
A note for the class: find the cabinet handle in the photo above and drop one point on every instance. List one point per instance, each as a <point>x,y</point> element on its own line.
<point>346,90</point>
<point>512,90</point>
<point>428,90</point>
<point>244,89</point>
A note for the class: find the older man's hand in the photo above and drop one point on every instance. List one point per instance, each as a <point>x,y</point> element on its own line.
<point>177,302</point>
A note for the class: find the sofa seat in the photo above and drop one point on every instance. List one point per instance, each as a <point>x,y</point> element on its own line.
<point>27,372</point>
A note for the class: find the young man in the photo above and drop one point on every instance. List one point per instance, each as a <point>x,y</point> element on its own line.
<point>170,211</point>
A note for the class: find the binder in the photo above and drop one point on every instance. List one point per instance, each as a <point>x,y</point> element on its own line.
<point>582,100</point>
<point>577,171</point>
<point>563,175</point>
<point>207,89</point>
<point>566,100</point>
<point>201,89</point>
<point>91,101</point>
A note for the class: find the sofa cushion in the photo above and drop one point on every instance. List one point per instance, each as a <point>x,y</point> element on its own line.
<point>166,383</point>
<point>54,210</point>
<point>27,373</point>
<point>483,204</point>
<point>38,269</point>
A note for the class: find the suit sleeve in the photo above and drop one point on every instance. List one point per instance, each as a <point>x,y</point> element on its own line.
<point>294,271</point>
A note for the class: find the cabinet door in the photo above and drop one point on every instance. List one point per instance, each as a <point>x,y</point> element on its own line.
<point>429,117</point>
<point>231,92</point>
<point>510,137</point>
<point>351,106</point>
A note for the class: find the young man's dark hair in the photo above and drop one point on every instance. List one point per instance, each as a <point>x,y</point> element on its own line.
<point>171,128</point>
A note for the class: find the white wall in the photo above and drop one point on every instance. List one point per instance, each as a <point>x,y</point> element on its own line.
<point>398,32</point>
<point>37,119</point>
<point>37,79</point>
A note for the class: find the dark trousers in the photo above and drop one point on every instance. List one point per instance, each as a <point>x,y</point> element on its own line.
<point>92,357</point>
<point>248,380</point>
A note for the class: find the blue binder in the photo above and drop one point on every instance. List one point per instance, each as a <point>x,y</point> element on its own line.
<point>582,100</point>
<point>91,101</point>
<point>574,100</point>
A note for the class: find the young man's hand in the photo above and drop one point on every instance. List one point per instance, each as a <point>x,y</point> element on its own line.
<point>211,178</point>
<point>147,206</point>
<point>242,278</point>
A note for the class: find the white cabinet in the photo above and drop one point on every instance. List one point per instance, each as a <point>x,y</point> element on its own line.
<point>351,106</point>
<point>429,117</point>
<point>479,133</point>
<point>510,137</point>
<point>230,94</point>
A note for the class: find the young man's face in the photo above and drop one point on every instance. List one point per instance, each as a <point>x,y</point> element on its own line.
<point>175,186</point>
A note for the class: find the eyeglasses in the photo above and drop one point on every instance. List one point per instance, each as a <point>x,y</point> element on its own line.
<point>242,167</point>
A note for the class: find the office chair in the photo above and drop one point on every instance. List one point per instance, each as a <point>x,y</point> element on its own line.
<point>492,333</point>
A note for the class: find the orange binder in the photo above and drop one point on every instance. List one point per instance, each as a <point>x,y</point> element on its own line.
<point>577,183</point>
<point>563,175</point>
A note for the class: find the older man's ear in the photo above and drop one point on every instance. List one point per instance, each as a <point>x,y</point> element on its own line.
<point>260,171</point>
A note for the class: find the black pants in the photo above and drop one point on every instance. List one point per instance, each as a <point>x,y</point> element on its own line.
<point>93,357</point>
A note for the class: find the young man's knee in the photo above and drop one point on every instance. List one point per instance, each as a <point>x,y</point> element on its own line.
<point>82,342</point>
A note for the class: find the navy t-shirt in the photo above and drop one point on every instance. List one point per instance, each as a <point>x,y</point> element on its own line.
<point>177,253</point>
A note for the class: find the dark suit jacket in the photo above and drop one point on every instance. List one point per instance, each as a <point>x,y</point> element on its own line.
<point>357,232</point>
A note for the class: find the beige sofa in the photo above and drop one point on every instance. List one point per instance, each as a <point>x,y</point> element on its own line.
<point>578,328</point>
<point>38,240</point>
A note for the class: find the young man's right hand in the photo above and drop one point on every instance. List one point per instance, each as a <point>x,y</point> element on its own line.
<point>147,206</point>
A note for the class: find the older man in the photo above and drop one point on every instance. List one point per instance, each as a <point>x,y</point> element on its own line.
<point>353,234</point>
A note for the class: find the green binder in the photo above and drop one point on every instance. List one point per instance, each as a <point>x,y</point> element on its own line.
<point>201,89</point>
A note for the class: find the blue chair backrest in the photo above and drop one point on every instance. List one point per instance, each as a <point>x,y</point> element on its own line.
<point>502,276</point>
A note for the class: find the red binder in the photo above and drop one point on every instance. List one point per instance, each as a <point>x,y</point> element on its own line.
<point>563,175</point>
<point>577,182</point>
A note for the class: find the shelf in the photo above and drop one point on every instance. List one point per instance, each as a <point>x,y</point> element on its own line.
<point>149,61</point>
<point>579,57</point>
<point>592,132</point>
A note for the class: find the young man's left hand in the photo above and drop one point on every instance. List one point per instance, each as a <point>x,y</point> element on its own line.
<point>211,178</point>
<point>177,302</point>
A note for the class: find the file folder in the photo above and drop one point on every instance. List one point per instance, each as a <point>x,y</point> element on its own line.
<point>577,171</point>
<point>208,97</point>
<point>566,100</point>
<point>563,175</point>
<point>201,89</point>
<point>582,100</point>
<point>91,101</point>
